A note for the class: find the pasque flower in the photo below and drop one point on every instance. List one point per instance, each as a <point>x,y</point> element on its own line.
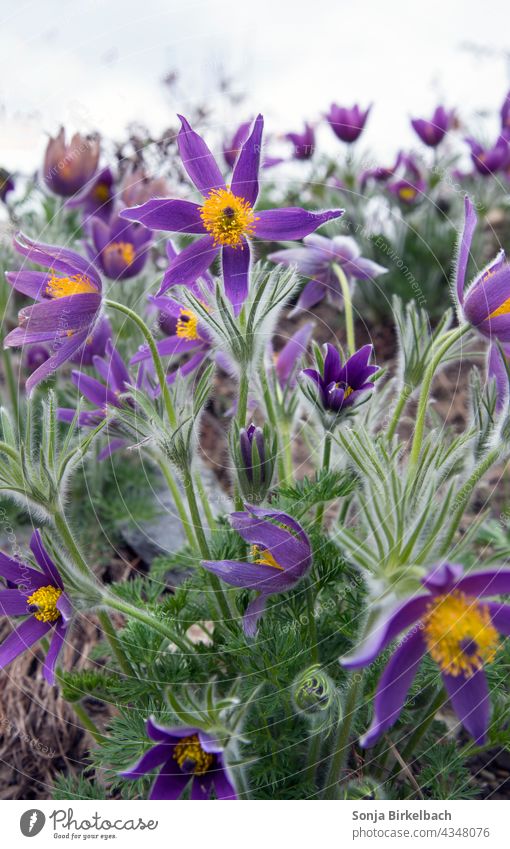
<point>492,159</point>
<point>408,184</point>
<point>226,220</point>
<point>232,147</point>
<point>69,303</point>
<point>303,143</point>
<point>316,260</point>
<point>286,360</point>
<point>181,756</point>
<point>67,168</point>
<point>95,344</point>
<point>39,597</point>
<point>452,621</point>
<point>347,124</point>
<point>280,556</point>
<point>432,132</point>
<point>138,187</point>
<point>255,456</point>
<point>340,386</point>
<point>98,199</point>
<point>486,303</point>
<point>120,248</point>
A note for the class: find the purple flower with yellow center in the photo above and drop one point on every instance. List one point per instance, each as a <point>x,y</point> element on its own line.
<point>492,159</point>
<point>316,260</point>
<point>486,303</point>
<point>68,168</point>
<point>433,132</point>
<point>347,124</point>
<point>226,220</point>
<point>69,296</point>
<point>181,756</point>
<point>280,556</point>
<point>460,631</point>
<point>286,360</point>
<point>98,199</point>
<point>340,386</point>
<point>39,597</point>
<point>303,143</point>
<point>120,248</point>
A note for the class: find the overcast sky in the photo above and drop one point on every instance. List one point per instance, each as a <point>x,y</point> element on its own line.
<point>99,63</point>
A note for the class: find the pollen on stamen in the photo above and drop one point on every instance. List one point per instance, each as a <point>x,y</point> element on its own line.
<point>187,325</point>
<point>64,287</point>
<point>125,250</point>
<point>263,557</point>
<point>45,601</point>
<point>459,634</point>
<point>227,217</point>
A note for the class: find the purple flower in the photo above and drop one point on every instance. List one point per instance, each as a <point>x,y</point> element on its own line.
<point>96,200</point>
<point>68,168</point>
<point>341,385</point>
<point>120,248</point>
<point>486,303</point>
<point>304,143</point>
<point>181,756</point>
<point>347,124</point>
<point>95,344</point>
<point>489,160</point>
<point>498,364</point>
<point>255,456</point>
<point>285,362</point>
<point>6,184</point>
<point>232,148</point>
<point>35,356</point>
<point>226,220</point>
<point>69,296</point>
<point>280,557</point>
<point>433,132</point>
<point>139,187</point>
<point>409,183</point>
<point>459,631</point>
<point>316,260</point>
<point>40,598</point>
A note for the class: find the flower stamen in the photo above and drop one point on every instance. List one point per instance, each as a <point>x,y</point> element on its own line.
<point>191,757</point>
<point>227,217</point>
<point>125,251</point>
<point>459,634</point>
<point>45,600</point>
<point>187,325</point>
<point>263,557</point>
<point>65,287</point>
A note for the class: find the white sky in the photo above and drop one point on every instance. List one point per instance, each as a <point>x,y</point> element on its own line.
<point>99,63</point>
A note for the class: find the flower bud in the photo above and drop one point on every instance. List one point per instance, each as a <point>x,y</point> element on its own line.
<point>254,455</point>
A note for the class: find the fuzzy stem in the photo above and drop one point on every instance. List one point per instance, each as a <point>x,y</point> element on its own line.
<point>326,458</point>
<point>111,636</point>
<point>176,495</point>
<point>11,385</point>
<point>87,723</point>
<point>287,450</point>
<point>158,365</point>
<point>314,648</point>
<point>342,739</point>
<point>130,610</point>
<point>444,343</point>
<point>211,521</point>
<point>397,412</point>
<point>466,490</point>
<point>282,474</point>
<point>349,320</point>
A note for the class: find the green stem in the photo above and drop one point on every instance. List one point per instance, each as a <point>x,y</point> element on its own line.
<point>69,541</point>
<point>268,400</point>
<point>111,636</point>
<point>288,464</point>
<point>242,404</point>
<point>326,458</point>
<point>211,521</point>
<point>173,486</point>
<point>196,519</point>
<point>11,384</point>
<point>349,320</point>
<point>397,412</point>
<point>467,490</point>
<point>313,754</point>
<point>430,712</point>
<point>141,615</point>
<point>444,343</point>
<point>158,365</point>
<point>87,722</point>
<point>342,739</point>
<point>310,603</point>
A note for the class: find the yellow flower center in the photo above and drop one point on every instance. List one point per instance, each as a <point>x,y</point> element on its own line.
<point>459,634</point>
<point>191,757</point>
<point>124,250</point>
<point>407,193</point>
<point>187,325</point>
<point>102,192</point>
<point>45,599</point>
<point>227,217</point>
<point>64,287</point>
<point>264,557</point>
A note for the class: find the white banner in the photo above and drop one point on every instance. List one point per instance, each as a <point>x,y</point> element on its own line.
<point>188,825</point>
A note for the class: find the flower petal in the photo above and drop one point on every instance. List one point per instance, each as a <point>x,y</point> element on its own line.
<point>246,171</point>
<point>464,248</point>
<point>13,603</point>
<point>293,223</point>
<point>149,761</point>
<point>20,574</point>
<point>198,159</point>
<point>64,353</point>
<point>44,560</point>
<point>500,616</point>
<point>385,630</point>
<point>394,686</point>
<point>471,702</point>
<point>56,258</point>
<point>251,576</point>
<point>252,615</point>
<point>292,352</point>
<point>488,583</point>
<point>223,787</point>
<point>236,266</point>
<point>30,283</point>
<point>178,216</point>
<point>56,645</point>
<point>28,633</point>
<point>190,263</point>
<point>169,786</point>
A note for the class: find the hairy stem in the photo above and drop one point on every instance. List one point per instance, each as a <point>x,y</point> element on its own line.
<point>326,458</point>
<point>349,320</point>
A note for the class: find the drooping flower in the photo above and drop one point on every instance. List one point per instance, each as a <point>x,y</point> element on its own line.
<point>459,629</point>
<point>433,132</point>
<point>489,160</point>
<point>347,124</point>
<point>286,360</point>
<point>280,557</point>
<point>316,261</point>
<point>120,248</point>
<point>226,220</point>
<point>39,597</point>
<point>340,386</point>
<point>486,303</point>
<point>303,143</point>
<point>181,756</point>
<point>6,184</point>
<point>68,168</point>
<point>97,200</point>
<point>69,296</point>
